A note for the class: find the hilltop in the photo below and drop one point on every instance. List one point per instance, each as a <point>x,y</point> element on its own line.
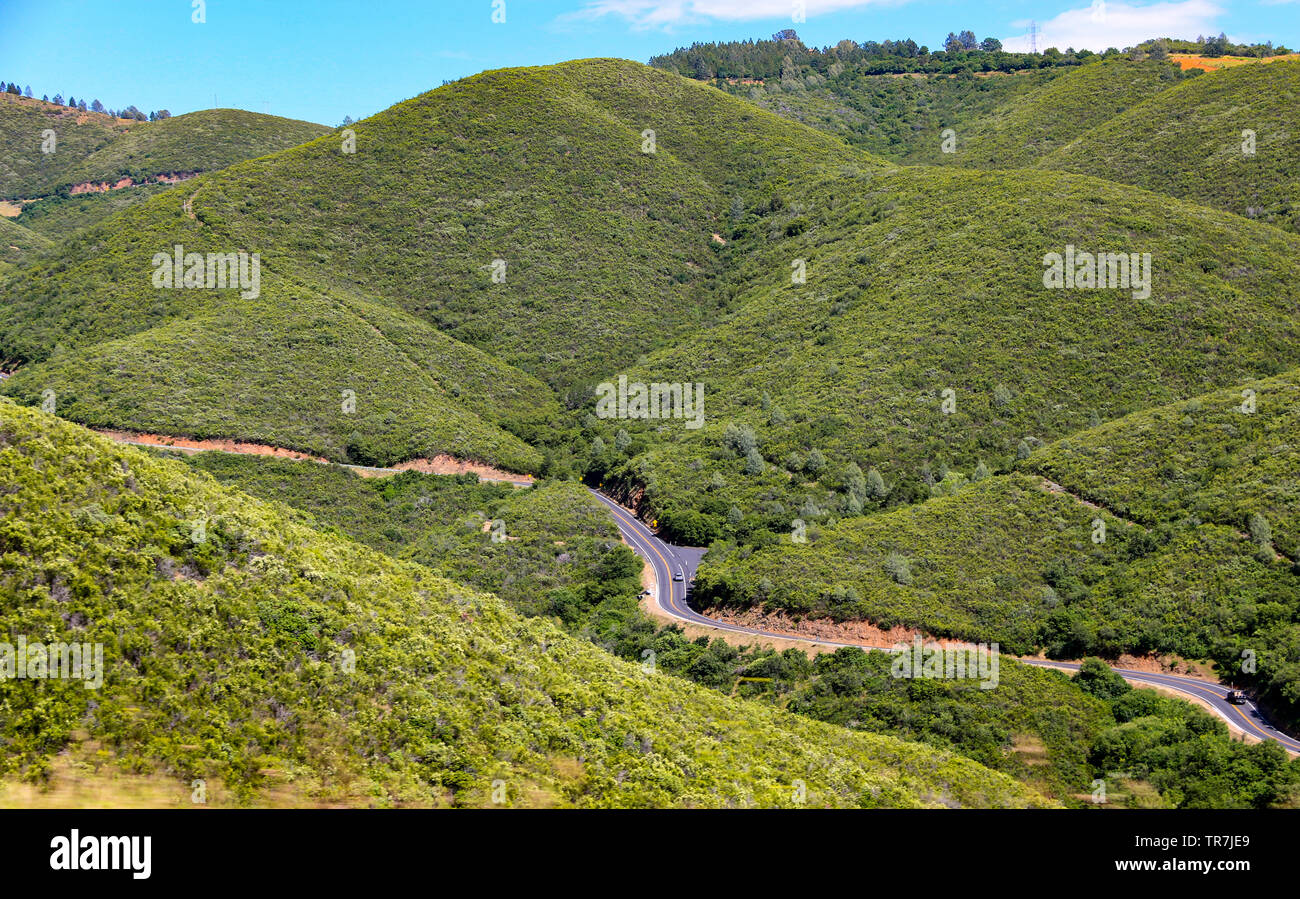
<point>92,149</point>
<point>95,164</point>
<point>604,249</point>
<point>26,171</point>
<point>245,648</point>
<point>184,145</point>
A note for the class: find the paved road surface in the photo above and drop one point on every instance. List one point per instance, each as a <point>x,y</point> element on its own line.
<point>667,560</point>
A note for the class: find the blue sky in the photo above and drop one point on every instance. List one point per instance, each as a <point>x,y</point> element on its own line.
<point>323,59</point>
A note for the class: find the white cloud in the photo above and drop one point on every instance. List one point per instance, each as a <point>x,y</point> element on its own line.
<point>667,13</point>
<point>1103,24</point>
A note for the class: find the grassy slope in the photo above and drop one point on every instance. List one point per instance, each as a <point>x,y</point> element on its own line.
<point>1207,460</point>
<point>898,118</point>
<point>200,141</point>
<point>17,244</point>
<point>57,217</point>
<point>558,538</point>
<point>1203,457</point>
<point>210,374</point>
<point>1187,142</point>
<point>981,563</point>
<point>562,540</point>
<point>26,172</point>
<point>607,249</point>
<point>922,281</point>
<point>1004,560</point>
<point>92,147</point>
<point>222,656</point>
<point>1037,725</point>
<point>1022,131</point>
<point>95,147</point>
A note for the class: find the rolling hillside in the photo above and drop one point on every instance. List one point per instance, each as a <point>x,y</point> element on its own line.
<point>606,251</point>
<point>202,141</point>
<point>1196,556</point>
<point>25,171</point>
<point>92,152</point>
<point>1222,457</point>
<point>606,248</point>
<point>244,648</point>
<point>91,147</point>
<point>560,558</point>
<point>340,377</point>
<point>1025,129</point>
<point>1007,560</point>
<point>898,118</point>
<point>1188,142</point>
<point>557,552</point>
<point>17,244</point>
<point>58,217</point>
<point>924,338</point>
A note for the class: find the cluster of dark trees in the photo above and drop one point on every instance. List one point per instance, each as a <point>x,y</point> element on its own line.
<point>966,40</point>
<point>129,112</point>
<point>786,56</point>
<point>1221,46</point>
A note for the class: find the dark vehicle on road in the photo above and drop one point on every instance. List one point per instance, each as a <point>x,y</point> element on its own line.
<point>1236,697</point>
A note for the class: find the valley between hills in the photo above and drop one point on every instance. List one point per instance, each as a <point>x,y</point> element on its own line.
<point>347,505</point>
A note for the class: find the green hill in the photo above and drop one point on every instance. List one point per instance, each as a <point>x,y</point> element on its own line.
<point>1007,560</point>
<point>606,248</point>
<point>897,117</point>
<point>17,243</point>
<point>196,142</point>
<point>1222,457</point>
<point>93,147</point>
<point>561,557</point>
<point>1021,131</point>
<point>556,553</point>
<point>1188,142</point>
<point>243,647</point>
<point>58,216</point>
<point>1197,498</point>
<point>339,377</point>
<point>924,286</point>
<point>26,171</point>
<point>607,253</point>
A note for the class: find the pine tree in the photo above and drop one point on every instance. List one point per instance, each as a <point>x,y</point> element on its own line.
<point>876,486</point>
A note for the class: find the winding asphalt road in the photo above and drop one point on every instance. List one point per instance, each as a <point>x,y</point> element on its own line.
<point>667,560</point>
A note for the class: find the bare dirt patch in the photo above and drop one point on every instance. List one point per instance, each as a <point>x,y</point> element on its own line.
<point>190,444</point>
<point>860,633</point>
<point>444,464</point>
<point>1212,63</point>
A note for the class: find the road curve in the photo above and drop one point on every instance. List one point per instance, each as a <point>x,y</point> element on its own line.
<point>667,560</point>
